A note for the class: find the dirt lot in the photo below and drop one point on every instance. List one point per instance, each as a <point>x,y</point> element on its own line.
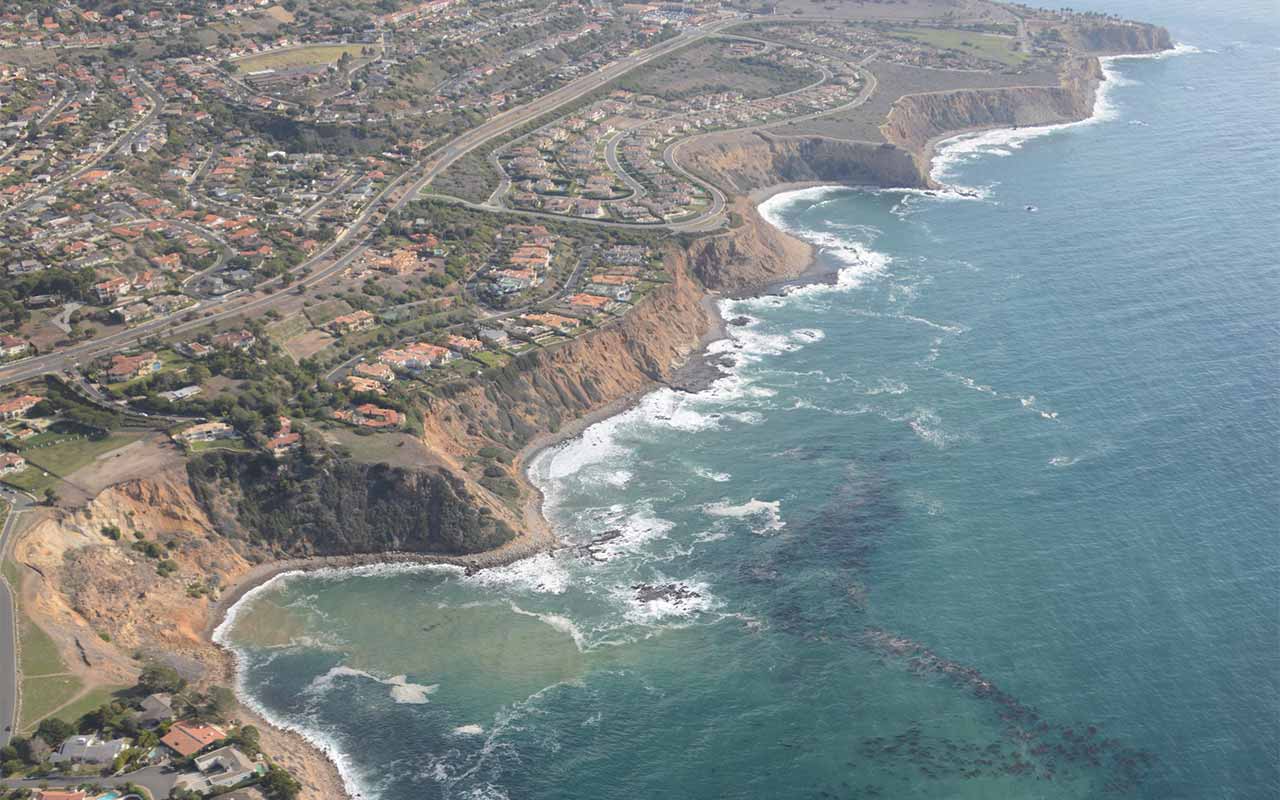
<point>706,68</point>
<point>307,344</point>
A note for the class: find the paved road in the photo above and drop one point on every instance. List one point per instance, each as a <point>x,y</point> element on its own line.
<point>18,503</point>
<point>155,780</point>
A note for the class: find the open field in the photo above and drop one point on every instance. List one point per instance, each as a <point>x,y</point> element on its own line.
<point>707,67</point>
<point>43,695</point>
<point>986,45</point>
<point>308,56</point>
<point>91,700</point>
<point>60,460</point>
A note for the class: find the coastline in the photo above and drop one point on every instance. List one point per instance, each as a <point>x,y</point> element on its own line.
<point>694,375</point>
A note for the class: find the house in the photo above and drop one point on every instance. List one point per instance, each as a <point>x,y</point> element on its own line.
<point>354,322</point>
<point>18,406</point>
<point>178,395</point>
<point>194,349</point>
<point>111,290</point>
<point>13,347</point>
<point>368,415</point>
<point>226,766</point>
<point>377,372</point>
<point>617,290</point>
<point>124,368</point>
<point>284,442</point>
<point>89,749</point>
<point>589,302</point>
<point>556,321</point>
<point>464,344</point>
<point>234,340</point>
<point>60,794</point>
<point>358,384</point>
<point>250,793</point>
<point>188,738</point>
<point>156,708</point>
<point>207,432</point>
<point>495,337</point>
<point>11,463</point>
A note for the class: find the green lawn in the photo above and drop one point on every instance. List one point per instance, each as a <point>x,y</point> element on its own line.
<point>237,445</point>
<point>62,459</point>
<point>39,653</point>
<point>91,700</point>
<point>311,56</point>
<point>996,48</point>
<point>41,696</point>
<point>287,328</point>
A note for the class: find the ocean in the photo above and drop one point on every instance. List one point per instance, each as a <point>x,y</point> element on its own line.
<point>995,515</point>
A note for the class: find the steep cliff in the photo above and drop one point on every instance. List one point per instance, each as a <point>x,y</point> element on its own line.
<point>751,256</point>
<point>542,390</point>
<point>916,120</point>
<point>317,504</point>
<point>1111,37</point>
<point>744,162</point>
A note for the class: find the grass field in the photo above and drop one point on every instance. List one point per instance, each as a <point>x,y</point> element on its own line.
<point>707,67</point>
<point>92,699</point>
<point>986,45</point>
<point>41,696</point>
<point>287,328</point>
<point>60,460</point>
<point>309,56</point>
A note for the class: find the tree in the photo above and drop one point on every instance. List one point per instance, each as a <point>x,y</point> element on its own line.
<point>54,731</point>
<point>157,678</point>
<point>280,785</point>
<point>50,496</point>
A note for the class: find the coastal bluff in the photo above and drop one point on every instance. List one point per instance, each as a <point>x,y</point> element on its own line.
<point>896,149</point>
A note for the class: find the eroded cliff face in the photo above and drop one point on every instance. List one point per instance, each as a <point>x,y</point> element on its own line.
<point>916,120</point>
<point>749,257</point>
<point>541,391</point>
<point>1111,37</point>
<point>319,504</point>
<point>741,163</point>
<point>82,585</point>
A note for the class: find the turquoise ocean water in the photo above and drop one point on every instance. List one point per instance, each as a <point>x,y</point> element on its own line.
<point>995,517</point>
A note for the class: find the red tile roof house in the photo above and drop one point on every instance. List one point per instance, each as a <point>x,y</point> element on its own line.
<point>11,463</point>
<point>12,346</point>
<point>125,368</point>
<point>188,738</point>
<point>18,406</point>
<point>234,340</point>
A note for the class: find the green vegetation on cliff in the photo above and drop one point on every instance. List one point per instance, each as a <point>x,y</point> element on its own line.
<point>320,504</point>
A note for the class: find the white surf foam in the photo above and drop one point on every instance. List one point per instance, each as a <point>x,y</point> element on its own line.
<point>539,574</point>
<point>951,153</point>
<point>401,689</point>
<point>468,730</point>
<point>768,513</point>
<point>557,621</point>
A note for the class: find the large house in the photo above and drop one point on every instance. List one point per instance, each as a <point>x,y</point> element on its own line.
<point>125,368</point>
<point>226,766</point>
<point>18,406</point>
<point>368,415</point>
<point>188,738</point>
<point>11,463</point>
<point>352,323</point>
<point>89,749</point>
<point>207,432</point>
<point>12,346</point>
